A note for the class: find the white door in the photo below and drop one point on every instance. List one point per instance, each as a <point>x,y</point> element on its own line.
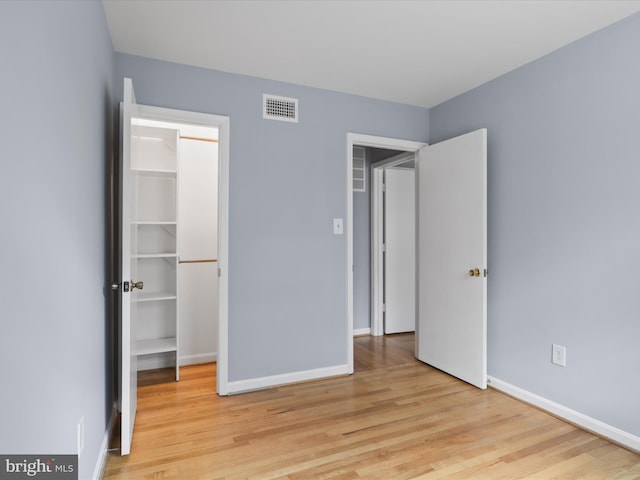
<point>399,269</point>
<point>452,257</point>
<point>128,363</point>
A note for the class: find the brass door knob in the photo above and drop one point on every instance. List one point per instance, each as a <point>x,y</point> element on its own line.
<point>474,272</point>
<point>138,285</point>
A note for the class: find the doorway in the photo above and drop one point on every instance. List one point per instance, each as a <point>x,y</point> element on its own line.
<point>354,139</point>
<point>193,294</point>
<point>221,124</point>
<point>393,245</point>
<point>451,169</point>
<point>154,186</point>
<point>383,238</point>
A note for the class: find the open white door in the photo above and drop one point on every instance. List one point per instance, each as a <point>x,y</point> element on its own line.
<point>128,361</point>
<point>451,332</point>
<point>399,270</point>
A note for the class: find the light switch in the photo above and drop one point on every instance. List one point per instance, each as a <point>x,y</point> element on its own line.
<point>337,226</point>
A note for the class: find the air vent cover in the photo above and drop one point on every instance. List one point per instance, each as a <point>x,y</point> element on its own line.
<point>359,169</point>
<point>279,108</point>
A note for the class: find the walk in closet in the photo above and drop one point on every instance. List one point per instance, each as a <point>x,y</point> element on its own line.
<point>175,233</point>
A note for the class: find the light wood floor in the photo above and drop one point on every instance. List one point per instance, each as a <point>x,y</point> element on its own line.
<point>394,418</point>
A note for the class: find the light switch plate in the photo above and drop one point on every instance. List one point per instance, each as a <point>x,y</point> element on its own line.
<point>338,226</point>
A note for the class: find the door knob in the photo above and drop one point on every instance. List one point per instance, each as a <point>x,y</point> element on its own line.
<point>474,272</point>
<point>138,285</point>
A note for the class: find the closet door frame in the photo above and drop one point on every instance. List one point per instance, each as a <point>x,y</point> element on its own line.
<point>222,123</point>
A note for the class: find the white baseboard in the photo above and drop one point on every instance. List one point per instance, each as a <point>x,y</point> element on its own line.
<point>162,360</point>
<point>104,446</point>
<point>361,331</point>
<point>198,359</point>
<point>614,434</point>
<point>260,383</point>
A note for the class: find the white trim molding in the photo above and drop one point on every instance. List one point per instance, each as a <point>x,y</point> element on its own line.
<point>162,360</point>
<point>361,331</point>
<point>198,358</point>
<point>222,355</point>
<point>242,386</point>
<point>626,439</point>
<point>104,446</point>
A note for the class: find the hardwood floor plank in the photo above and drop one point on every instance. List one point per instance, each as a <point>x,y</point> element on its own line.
<point>395,418</point>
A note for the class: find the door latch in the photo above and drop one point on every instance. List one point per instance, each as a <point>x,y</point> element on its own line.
<point>127,286</point>
<point>116,286</point>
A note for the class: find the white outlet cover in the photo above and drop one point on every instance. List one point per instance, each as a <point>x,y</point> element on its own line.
<point>559,355</point>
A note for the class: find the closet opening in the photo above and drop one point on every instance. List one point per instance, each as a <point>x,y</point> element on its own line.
<point>177,236</point>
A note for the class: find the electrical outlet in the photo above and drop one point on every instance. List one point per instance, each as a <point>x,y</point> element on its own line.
<point>559,355</point>
<point>80,436</point>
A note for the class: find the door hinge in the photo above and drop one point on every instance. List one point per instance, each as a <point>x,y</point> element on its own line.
<point>384,247</point>
<point>384,307</point>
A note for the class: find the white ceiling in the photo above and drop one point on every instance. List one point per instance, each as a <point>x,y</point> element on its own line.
<point>414,52</point>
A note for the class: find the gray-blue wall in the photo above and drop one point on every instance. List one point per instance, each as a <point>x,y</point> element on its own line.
<point>56,124</point>
<point>564,222</point>
<point>563,227</point>
<point>287,280</point>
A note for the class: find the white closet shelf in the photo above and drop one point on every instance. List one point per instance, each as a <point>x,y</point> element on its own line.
<point>155,296</point>
<point>155,222</point>
<point>156,345</point>
<point>155,255</point>
<point>156,173</point>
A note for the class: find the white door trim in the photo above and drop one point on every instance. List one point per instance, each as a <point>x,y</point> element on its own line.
<point>222,123</point>
<point>364,141</point>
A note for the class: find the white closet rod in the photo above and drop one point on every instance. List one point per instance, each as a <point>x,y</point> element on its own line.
<point>200,139</point>
<point>204,260</point>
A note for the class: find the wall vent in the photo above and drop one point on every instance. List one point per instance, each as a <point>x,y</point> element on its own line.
<point>279,108</point>
<point>359,169</point>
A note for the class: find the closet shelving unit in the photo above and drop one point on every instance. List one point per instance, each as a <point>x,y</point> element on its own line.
<point>154,165</point>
